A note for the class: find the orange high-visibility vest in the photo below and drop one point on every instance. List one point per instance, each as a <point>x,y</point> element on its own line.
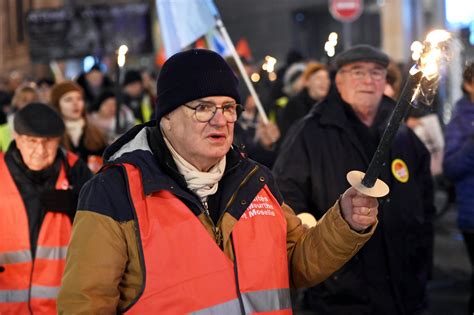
<point>187,272</point>
<point>30,286</point>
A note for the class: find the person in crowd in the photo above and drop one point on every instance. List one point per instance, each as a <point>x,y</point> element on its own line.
<point>24,94</point>
<point>80,137</point>
<point>5,134</point>
<point>427,127</point>
<point>104,116</point>
<point>458,164</point>
<point>389,274</point>
<point>39,192</point>
<point>93,83</point>
<point>316,84</point>
<point>149,83</point>
<point>178,221</point>
<point>277,91</point>
<point>43,87</point>
<point>393,81</point>
<point>16,78</point>
<point>135,96</point>
<point>251,134</point>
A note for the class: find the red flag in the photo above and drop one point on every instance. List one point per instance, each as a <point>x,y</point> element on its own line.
<point>243,49</point>
<point>160,57</point>
<point>200,43</point>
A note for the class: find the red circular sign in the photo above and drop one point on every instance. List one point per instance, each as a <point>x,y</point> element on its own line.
<point>345,10</point>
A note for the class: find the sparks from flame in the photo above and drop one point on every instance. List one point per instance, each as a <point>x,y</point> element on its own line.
<point>431,59</point>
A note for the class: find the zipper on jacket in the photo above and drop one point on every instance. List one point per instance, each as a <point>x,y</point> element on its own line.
<point>215,227</point>
<point>246,179</point>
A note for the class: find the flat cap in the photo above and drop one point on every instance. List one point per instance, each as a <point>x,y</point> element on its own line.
<point>38,120</point>
<point>362,53</point>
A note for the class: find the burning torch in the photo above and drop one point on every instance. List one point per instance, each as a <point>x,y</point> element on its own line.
<point>420,86</point>
<point>121,57</point>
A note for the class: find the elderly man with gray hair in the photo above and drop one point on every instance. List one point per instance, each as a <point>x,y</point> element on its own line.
<point>389,274</point>
<point>40,184</point>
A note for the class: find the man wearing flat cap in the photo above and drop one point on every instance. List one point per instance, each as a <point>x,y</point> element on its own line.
<point>389,274</point>
<point>178,221</point>
<point>39,188</point>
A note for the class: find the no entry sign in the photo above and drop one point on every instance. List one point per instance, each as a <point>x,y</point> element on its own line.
<point>345,10</point>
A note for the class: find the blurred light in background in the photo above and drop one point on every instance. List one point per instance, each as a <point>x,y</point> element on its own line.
<point>269,66</point>
<point>122,51</point>
<point>88,63</point>
<point>459,13</point>
<point>331,43</point>
<point>270,62</point>
<point>255,77</point>
<point>272,76</point>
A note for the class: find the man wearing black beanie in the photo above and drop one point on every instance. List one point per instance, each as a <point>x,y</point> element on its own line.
<point>178,221</point>
<point>39,188</point>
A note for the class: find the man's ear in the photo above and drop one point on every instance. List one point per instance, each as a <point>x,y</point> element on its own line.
<point>337,80</point>
<point>165,122</point>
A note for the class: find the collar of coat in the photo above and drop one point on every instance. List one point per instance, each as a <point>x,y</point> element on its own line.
<point>332,111</point>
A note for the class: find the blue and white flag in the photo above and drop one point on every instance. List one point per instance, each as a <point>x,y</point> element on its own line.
<point>183,21</point>
<point>217,43</point>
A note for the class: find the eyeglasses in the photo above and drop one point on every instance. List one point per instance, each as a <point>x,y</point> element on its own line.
<point>34,142</point>
<point>205,111</point>
<point>360,74</point>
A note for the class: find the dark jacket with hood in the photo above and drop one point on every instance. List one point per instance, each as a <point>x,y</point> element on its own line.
<point>389,275</point>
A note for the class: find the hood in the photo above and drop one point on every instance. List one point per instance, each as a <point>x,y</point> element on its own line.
<point>133,148</point>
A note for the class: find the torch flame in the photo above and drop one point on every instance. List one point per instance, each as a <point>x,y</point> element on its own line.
<point>121,52</point>
<point>433,57</point>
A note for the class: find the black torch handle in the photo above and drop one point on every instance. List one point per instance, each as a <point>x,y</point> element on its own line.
<point>399,112</point>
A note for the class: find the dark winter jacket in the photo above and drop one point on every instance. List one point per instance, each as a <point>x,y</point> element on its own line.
<point>388,276</point>
<point>458,162</point>
<point>298,106</point>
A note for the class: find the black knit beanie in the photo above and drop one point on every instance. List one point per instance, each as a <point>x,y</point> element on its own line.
<point>191,75</point>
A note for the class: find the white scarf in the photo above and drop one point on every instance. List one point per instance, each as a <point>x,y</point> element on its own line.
<point>202,184</point>
<point>74,129</point>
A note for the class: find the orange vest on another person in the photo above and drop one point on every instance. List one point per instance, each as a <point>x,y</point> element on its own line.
<point>185,271</point>
<point>30,286</point>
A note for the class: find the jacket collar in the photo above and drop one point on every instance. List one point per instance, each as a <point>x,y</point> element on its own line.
<point>333,111</point>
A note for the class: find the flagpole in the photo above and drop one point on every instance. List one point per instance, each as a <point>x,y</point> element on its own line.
<point>245,76</point>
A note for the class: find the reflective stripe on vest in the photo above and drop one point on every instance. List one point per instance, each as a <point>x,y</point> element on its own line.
<point>15,257</point>
<point>22,281</point>
<point>47,252</point>
<point>37,291</point>
<point>187,272</point>
<point>254,302</point>
<point>43,252</point>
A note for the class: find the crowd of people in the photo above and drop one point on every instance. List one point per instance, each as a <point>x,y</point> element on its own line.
<point>191,203</point>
